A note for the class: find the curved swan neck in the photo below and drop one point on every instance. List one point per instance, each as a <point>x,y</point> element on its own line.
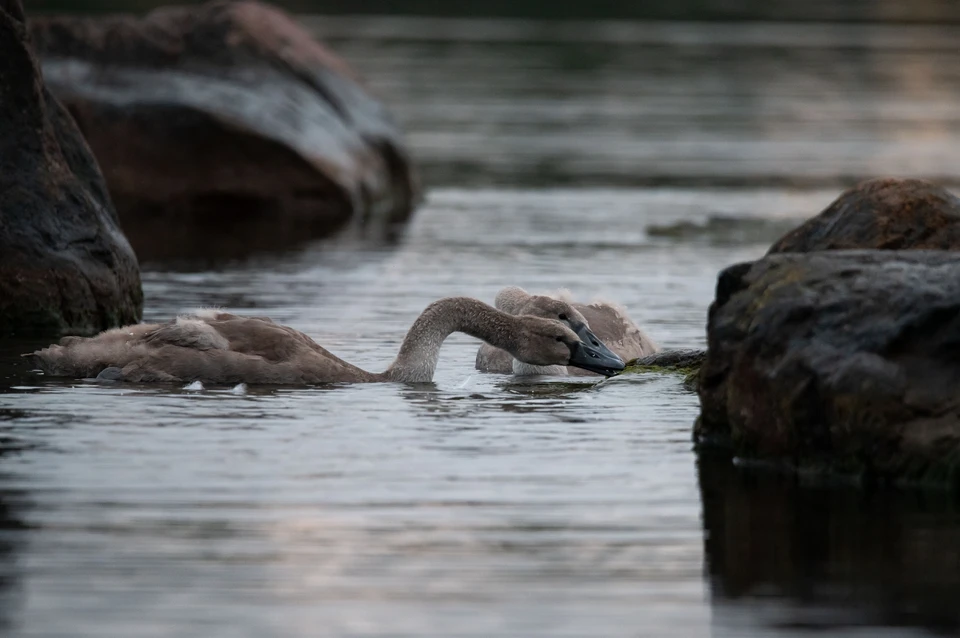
<point>417,359</point>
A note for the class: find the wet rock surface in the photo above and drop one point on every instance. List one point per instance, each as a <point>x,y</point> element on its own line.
<point>683,359</point>
<point>847,361</point>
<point>65,266</point>
<point>225,128</point>
<point>887,214</point>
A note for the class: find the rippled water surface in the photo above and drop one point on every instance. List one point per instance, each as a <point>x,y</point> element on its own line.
<point>479,504</point>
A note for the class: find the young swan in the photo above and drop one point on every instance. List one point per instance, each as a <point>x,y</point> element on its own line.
<point>601,321</point>
<point>217,347</point>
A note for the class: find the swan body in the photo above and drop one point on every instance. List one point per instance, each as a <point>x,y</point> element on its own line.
<point>602,320</point>
<point>218,347</point>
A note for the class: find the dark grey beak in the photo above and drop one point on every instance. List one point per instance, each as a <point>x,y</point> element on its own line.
<point>590,354</point>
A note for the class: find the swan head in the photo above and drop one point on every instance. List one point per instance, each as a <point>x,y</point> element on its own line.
<point>548,342</point>
<point>564,312</point>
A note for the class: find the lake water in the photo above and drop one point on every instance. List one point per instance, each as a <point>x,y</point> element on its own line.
<point>484,505</point>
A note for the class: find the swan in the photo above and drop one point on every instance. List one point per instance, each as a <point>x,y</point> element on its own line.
<point>217,347</point>
<point>600,322</point>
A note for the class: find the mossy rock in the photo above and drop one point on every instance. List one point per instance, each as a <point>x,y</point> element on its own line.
<point>686,362</point>
<point>839,362</point>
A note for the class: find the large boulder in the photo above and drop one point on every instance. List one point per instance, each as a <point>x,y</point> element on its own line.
<point>226,127</point>
<point>65,266</point>
<point>841,360</point>
<point>886,213</point>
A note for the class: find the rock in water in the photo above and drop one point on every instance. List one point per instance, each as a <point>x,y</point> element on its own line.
<point>225,128</point>
<point>65,266</point>
<point>887,213</point>
<point>686,359</point>
<point>841,360</point>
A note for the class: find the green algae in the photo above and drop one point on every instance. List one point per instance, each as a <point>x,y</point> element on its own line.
<point>691,374</point>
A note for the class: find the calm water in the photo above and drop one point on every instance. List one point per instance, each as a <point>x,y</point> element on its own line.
<point>480,504</point>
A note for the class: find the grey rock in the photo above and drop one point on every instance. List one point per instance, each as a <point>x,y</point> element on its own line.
<point>884,213</point>
<point>225,128</point>
<point>65,265</point>
<point>848,361</point>
<point>680,359</point>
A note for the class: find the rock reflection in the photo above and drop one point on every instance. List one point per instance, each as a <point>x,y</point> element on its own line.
<point>197,243</point>
<point>828,556</point>
<point>14,369</point>
<point>12,529</point>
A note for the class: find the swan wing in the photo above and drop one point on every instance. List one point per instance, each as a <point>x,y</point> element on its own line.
<point>216,349</point>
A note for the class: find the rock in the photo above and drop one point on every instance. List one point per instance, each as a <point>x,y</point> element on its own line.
<point>847,361</point>
<point>686,362</point>
<point>889,214</point>
<point>683,360</point>
<point>65,266</point>
<point>723,230</point>
<point>224,128</point>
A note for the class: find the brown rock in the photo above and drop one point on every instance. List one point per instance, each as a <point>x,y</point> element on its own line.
<point>65,266</point>
<point>225,127</point>
<point>844,361</point>
<point>14,9</point>
<point>888,214</point>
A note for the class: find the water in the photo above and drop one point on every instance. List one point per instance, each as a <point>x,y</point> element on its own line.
<point>648,104</point>
<point>480,504</point>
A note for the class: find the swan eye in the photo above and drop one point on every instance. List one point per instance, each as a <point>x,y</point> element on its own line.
<point>560,339</point>
<point>563,316</point>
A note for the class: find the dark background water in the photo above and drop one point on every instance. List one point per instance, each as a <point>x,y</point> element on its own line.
<point>628,104</point>
<point>806,10</point>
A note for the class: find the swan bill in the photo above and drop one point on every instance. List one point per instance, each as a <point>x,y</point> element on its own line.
<point>597,359</point>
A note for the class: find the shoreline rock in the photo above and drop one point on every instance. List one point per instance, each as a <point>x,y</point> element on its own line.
<point>65,265</point>
<point>884,214</point>
<point>227,121</point>
<point>840,361</point>
<point>684,361</point>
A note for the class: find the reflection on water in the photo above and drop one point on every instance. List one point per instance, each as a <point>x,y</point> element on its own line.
<point>12,525</point>
<point>12,538</point>
<point>654,104</point>
<point>481,504</point>
<point>475,505</point>
<point>838,557</point>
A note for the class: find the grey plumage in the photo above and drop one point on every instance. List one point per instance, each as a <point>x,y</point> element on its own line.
<point>608,320</point>
<point>218,347</point>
